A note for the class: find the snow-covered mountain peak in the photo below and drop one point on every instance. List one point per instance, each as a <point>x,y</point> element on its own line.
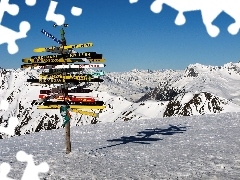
<point>204,68</point>
<point>230,64</point>
<point>198,66</point>
<point>135,70</point>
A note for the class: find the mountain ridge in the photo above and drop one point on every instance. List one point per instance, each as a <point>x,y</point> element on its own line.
<point>135,95</point>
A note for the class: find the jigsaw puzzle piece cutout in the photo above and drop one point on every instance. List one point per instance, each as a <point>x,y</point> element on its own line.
<point>4,170</point>
<point>30,2</point>
<point>208,16</point>
<point>233,28</point>
<point>12,36</point>
<point>31,171</point>
<point>11,9</point>
<point>133,1</point>
<point>156,6</point>
<point>180,19</point>
<point>231,8</point>
<point>76,11</point>
<point>209,10</point>
<point>179,6</point>
<point>59,19</point>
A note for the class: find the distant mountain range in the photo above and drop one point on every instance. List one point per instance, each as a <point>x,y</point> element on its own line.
<point>134,95</point>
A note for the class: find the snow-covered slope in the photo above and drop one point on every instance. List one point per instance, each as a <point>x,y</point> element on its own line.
<point>197,90</point>
<point>189,148</point>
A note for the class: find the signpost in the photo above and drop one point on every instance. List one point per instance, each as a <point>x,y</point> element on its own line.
<point>66,108</point>
<point>58,73</point>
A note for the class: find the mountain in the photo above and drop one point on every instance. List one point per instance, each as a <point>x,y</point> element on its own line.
<point>134,95</point>
<point>188,104</point>
<point>164,92</point>
<point>221,81</point>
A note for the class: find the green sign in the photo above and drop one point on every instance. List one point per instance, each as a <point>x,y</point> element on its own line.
<point>62,36</point>
<point>64,111</point>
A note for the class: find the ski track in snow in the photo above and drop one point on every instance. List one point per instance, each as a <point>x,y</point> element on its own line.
<point>196,147</point>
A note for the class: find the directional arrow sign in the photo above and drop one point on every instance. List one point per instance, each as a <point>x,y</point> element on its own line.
<point>55,48</point>
<point>51,36</point>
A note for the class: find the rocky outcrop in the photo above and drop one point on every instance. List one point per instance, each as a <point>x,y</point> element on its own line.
<point>195,104</point>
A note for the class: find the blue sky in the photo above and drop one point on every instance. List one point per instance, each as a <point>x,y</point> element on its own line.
<point>128,35</point>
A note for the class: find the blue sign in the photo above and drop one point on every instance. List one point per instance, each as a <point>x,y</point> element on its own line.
<point>98,73</point>
<point>51,36</point>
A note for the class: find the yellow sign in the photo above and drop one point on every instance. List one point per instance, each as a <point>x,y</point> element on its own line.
<point>59,76</point>
<point>97,60</point>
<point>77,55</point>
<point>68,60</point>
<point>29,65</point>
<point>50,80</point>
<point>62,60</point>
<point>84,45</point>
<point>85,113</point>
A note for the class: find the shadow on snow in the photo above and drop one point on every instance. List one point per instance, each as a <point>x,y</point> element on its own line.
<point>144,137</point>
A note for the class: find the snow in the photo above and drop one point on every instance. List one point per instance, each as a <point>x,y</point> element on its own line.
<point>186,98</point>
<point>132,140</point>
<point>119,91</point>
<point>196,147</point>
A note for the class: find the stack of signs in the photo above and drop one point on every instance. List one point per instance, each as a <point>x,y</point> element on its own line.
<point>68,78</point>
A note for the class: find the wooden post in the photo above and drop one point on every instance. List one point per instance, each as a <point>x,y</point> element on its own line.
<point>67,136</point>
<point>67,126</point>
